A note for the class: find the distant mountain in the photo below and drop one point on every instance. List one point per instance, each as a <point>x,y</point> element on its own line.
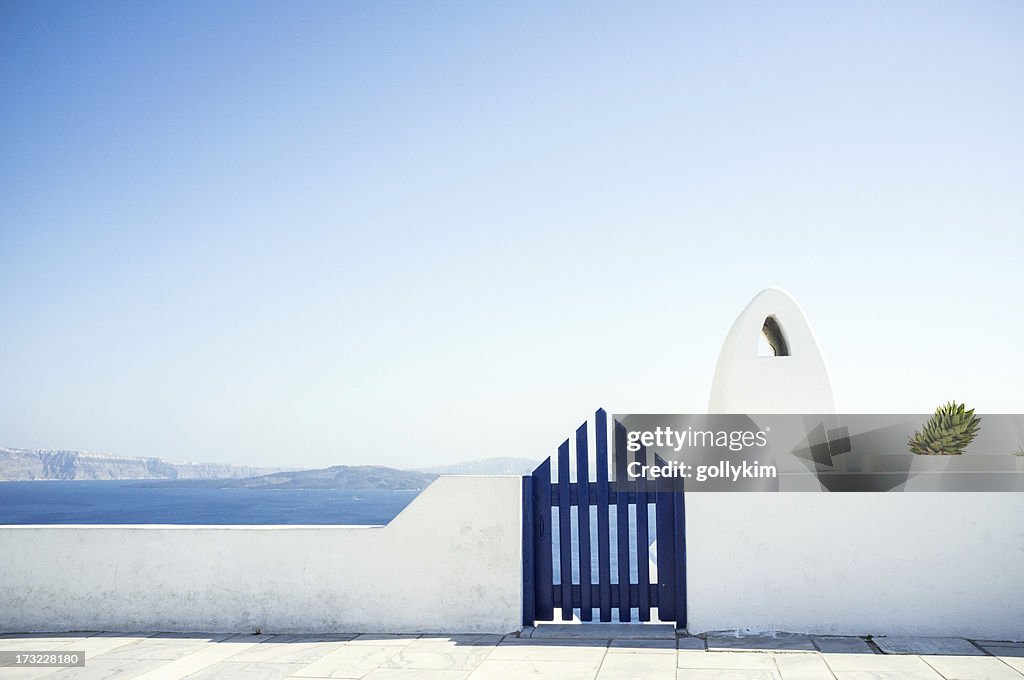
<point>486,466</point>
<point>28,464</point>
<point>336,477</point>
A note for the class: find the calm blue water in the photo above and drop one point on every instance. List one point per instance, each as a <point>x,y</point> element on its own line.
<point>116,502</point>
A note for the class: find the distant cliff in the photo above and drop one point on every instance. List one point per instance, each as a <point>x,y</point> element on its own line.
<point>335,477</point>
<point>27,464</point>
<point>486,466</point>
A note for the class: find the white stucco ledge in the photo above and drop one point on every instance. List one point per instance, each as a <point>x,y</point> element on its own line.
<point>449,562</point>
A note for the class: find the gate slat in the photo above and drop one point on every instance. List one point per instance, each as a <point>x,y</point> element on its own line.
<point>643,570</point>
<point>622,523</point>
<point>604,562</point>
<point>565,531</point>
<point>583,521</point>
<point>665,515</point>
<point>543,567</point>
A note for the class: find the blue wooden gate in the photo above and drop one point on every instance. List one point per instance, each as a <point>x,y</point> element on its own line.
<point>642,510</point>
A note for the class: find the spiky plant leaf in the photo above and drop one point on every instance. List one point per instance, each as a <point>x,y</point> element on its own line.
<point>947,433</point>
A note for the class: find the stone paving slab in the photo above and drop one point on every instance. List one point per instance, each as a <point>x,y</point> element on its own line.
<point>455,644</point>
<point>604,631</point>
<point>511,640</point>
<point>643,647</point>
<point>163,651</point>
<point>303,653</point>
<point>199,637</point>
<point>304,638</point>
<point>509,669</point>
<point>464,659</point>
<point>877,663</point>
<point>43,641</point>
<point>889,675</point>
<point>550,650</point>
<point>406,674</point>
<point>725,660</point>
<point>1000,643</point>
<point>382,639</point>
<point>225,670</point>
<point>107,669</point>
<point>971,668</point>
<point>1003,649</point>
<point>25,673</point>
<point>927,645</point>
<point>43,636</point>
<point>632,666</point>
<point>802,667</point>
<point>691,643</point>
<point>1014,662</point>
<point>779,642</point>
<point>706,674</point>
<point>118,634</point>
<point>842,645</point>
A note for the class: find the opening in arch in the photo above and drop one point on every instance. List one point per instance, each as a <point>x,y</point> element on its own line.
<point>772,342</point>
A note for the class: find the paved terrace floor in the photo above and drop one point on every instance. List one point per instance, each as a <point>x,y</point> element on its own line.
<point>558,652</point>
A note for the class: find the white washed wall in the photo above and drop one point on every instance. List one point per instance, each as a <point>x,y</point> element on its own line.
<point>450,562</point>
<point>858,563</point>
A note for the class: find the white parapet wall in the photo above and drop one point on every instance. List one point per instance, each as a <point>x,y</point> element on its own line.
<point>857,563</point>
<point>450,562</point>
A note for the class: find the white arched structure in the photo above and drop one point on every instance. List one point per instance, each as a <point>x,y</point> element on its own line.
<point>843,563</point>
<point>793,380</point>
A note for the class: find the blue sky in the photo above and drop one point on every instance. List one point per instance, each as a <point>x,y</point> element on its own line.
<point>414,233</point>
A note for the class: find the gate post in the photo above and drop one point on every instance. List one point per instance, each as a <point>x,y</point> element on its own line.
<point>543,569</point>
<point>679,506</point>
<point>529,585</point>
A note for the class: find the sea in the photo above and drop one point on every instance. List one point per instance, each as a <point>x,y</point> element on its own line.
<point>122,502</point>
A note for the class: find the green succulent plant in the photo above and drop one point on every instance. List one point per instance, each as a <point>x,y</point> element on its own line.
<point>947,433</point>
<point>1019,451</point>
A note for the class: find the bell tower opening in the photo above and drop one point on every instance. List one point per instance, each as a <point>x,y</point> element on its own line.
<point>772,342</point>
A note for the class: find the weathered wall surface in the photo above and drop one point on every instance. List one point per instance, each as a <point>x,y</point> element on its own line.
<point>856,564</point>
<point>450,562</point>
